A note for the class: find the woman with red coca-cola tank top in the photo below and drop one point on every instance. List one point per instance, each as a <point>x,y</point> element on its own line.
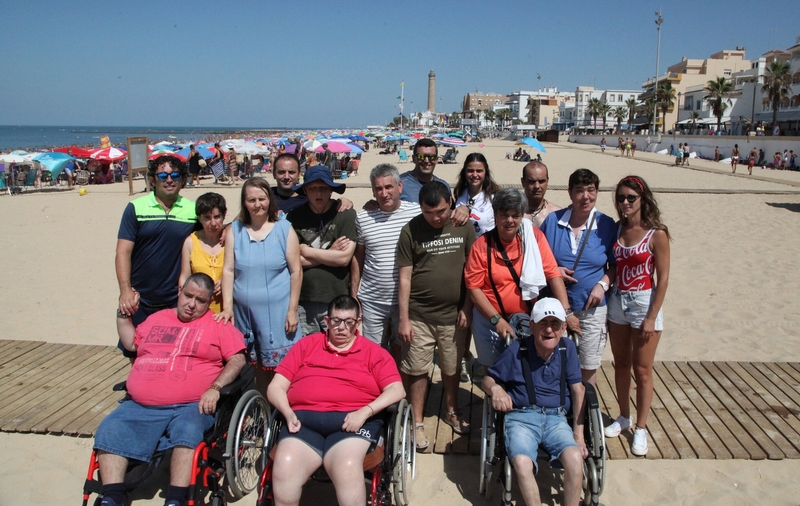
<point>635,320</point>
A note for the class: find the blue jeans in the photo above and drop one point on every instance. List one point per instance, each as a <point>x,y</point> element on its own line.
<point>527,428</point>
<point>135,431</point>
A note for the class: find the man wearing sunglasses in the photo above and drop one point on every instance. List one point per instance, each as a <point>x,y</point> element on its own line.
<point>151,236</point>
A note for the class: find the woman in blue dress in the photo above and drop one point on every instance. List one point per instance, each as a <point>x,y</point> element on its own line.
<point>261,278</point>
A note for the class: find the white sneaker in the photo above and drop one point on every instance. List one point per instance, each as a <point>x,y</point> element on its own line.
<point>616,428</point>
<point>639,446</point>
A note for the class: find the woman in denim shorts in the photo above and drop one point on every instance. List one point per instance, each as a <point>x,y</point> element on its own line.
<point>635,320</point>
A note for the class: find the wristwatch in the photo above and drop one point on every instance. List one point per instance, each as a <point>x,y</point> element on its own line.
<point>496,318</point>
<point>604,285</point>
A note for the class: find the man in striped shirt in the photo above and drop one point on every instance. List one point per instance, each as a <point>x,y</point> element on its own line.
<point>374,274</point>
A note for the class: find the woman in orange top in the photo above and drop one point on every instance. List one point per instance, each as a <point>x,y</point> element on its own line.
<point>202,250</point>
<point>486,280</point>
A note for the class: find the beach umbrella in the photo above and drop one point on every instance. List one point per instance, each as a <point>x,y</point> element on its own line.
<point>358,138</point>
<point>9,158</point>
<point>438,136</point>
<point>108,155</point>
<point>452,141</point>
<point>312,145</point>
<point>204,152</point>
<point>75,151</point>
<point>530,141</point>
<point>335,147</point>
<point>53,161</point>
<point>355,149</point>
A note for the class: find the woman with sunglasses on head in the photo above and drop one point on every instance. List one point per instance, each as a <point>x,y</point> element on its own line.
<point>635,319</point>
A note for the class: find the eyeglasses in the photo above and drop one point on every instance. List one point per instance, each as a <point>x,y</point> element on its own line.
<point>162,176</point>
<point>422,157</point>
<point>349,322</point>
<point>630,198</point>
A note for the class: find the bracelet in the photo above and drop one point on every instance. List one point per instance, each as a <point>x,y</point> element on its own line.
<point>568,311</point>
<point>120,314</point>
<point>372,411</point>
<point>215,386</point>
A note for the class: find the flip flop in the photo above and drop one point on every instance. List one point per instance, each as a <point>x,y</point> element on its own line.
<point>422,440</point>
<point>459,426</point>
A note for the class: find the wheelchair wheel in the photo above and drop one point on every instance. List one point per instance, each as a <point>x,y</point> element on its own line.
<point>404,451</point>
<point>245,443</point>
<point>594,474</point>
<point>265,497</point>
<point>488,448</point>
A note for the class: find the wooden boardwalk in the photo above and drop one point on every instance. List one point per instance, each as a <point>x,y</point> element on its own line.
<point>701,410</point>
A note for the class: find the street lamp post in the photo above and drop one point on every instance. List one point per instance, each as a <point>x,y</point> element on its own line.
<point>659,20</point>
<point>678,122</point>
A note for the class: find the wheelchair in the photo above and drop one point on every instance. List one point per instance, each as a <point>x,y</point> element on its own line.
<point>496,466</point>
<point>390,463</point>
<point>229,460</point>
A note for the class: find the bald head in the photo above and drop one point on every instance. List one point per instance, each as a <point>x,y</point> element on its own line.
<point>534,164</point>
<point>534,182</point>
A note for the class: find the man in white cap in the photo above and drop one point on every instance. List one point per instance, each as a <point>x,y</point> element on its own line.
<point>535,381</point>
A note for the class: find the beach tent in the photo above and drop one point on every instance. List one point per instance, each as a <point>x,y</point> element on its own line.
<point>53,161</point>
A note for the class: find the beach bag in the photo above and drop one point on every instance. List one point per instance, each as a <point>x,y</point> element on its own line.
<point>218,168</point>
<point>202,163</point>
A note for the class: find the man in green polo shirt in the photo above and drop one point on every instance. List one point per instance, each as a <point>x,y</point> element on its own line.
<point>149,242</point>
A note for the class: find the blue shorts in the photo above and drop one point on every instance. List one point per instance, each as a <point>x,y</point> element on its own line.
<point>527,428</point>
<point>135,431</point>
<point>322,429</point>
<point>630,308</point>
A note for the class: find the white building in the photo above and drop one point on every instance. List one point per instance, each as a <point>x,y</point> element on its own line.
<point>613,98</point>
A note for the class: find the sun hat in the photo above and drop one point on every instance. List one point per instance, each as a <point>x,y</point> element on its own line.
<point>319,173</point>
<point>548,306</point>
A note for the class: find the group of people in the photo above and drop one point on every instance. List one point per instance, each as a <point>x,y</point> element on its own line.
<point>291,280</point>
<point>627,146</point>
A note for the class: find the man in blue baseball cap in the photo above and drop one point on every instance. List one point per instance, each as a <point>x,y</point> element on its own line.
<point>327,243</point>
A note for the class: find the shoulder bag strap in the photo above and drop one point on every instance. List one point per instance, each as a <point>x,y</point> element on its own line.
<point>563,382</point>
<point>525,357</point>
<point>585,240</point>
<point>491,280</point>
<point>507,261</point>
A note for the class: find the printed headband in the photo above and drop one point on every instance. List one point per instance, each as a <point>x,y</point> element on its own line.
<point>635,180</point>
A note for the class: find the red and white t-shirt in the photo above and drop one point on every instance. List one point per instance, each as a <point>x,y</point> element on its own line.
<point>634,264</point>
<point>176,362</point>
<point>325,379</point>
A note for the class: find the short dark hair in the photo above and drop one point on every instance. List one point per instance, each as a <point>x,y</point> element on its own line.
<point>432,193</point>
<point>285,156</point>
<point>174,161</point>
<point>425,143</point>
<point>207,202</point>
<point>532,164</point>
<point>202,280</point>
<point>583,177</point>
<point>344,303</point>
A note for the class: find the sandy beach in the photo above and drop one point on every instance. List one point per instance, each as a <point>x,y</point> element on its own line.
<point>732,297</point>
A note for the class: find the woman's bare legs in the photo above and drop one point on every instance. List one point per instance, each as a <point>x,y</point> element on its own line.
<point>644,354</point>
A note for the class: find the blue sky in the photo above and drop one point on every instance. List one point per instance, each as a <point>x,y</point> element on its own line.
<point>340,64</point>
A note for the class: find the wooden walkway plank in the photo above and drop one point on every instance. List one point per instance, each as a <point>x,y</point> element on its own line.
<point>784,436</point>
<point>608,399</point>
<point>733,400</point>
<point>464,403</point>
<point>770,391</point>
<point>675,427</point>
<point>58,393</point>
<point>24,363</point>
<point>789,387</point>
<point>89,394</point>
<point>29,384</point>
<point>16,349</point>
<point>697,411</point>
<point>736,439</point>
<point>791,375</point>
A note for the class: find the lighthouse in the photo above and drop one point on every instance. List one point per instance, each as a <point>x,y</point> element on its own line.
<point>431,92</point>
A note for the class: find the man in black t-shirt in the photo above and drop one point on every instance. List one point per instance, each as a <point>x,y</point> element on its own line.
<point>327,243</point>
<point>286,171</point>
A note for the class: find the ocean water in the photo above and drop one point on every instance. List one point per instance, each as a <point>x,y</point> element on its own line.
<point>33,138</point>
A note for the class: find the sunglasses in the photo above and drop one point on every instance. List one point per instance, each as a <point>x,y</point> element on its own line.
<point>422,157</point>
<point>162,176</point>
<point>630,198</point>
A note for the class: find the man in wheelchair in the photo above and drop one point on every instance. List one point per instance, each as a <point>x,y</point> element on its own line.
<point>529,383</point>
<point>184,358</point>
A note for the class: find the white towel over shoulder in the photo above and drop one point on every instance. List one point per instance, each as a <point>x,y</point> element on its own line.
<point>532,277</point>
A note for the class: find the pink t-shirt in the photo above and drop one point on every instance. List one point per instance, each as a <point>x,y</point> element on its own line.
<point>324,379</point>
<point>176,362</point>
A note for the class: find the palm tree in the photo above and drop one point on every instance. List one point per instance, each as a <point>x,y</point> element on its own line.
<point>694,117</point>
<point>648,108</point>
<point>604,110</point>
<point>665,95</point>
<point>631,105</point>
<point>593,110</point>
<point>620,113</point>
<point>490,117</point>
<point>503,115</point>
<point>718,92</point>
<point>776,85</point>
